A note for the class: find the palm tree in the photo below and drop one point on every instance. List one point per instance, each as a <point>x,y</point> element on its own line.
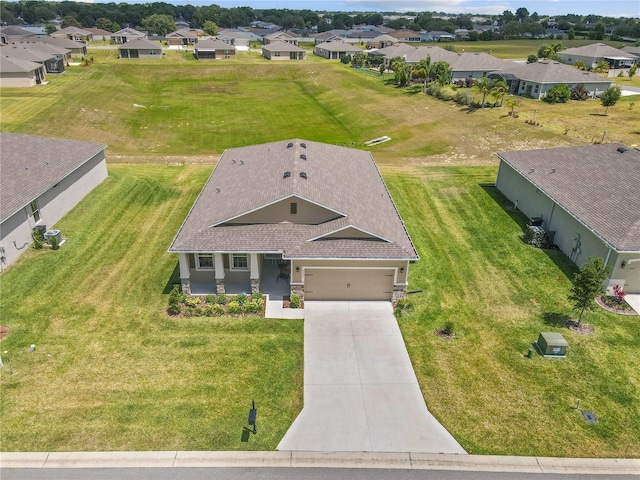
<point>401,69</point>
<point>442,73</point>
<point>483,86</point>
<point>499,89</point>
<point>422,70</point>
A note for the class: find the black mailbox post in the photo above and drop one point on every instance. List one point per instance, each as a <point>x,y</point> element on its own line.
<point>253,412</point>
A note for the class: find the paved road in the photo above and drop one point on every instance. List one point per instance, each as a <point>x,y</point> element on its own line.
<point>360,391</point>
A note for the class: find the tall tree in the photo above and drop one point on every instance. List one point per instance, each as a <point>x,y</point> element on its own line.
<point>442,73</point>
<point>610,97</point>
<point>499,88</point>
<point>422,70</point>
<point>159,24</point>
<point>587,284</point>
<point>483,86</point>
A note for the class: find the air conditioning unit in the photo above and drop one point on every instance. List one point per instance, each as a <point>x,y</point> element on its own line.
<point>49,234</point>
<point>551,344</point>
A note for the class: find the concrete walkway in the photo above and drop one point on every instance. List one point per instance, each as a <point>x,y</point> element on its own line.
<point>360,391</point>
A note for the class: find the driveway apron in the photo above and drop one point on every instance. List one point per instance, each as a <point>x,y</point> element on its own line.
<point>360,391</point>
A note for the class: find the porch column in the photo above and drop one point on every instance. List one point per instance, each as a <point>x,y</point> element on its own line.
<point>185,273</point>
<point>254,274</point>
<point>219,272</point>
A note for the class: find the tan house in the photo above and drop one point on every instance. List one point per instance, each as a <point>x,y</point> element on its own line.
<point>280,37</point>
<point>20,73</point>
<point>140,49</point>
<point>74,33</point>
<point>589,196</point>
<point>335,50</point>
<point>126,35</point>
<point>181,38</point>
<point>405,35</point>
<point>213,49</point>
<point>317,218</point>
<point>381,41</point>
<point>77,49</point>
<point>42,180</point>
<point>283,51</point>
<point>14,33</point>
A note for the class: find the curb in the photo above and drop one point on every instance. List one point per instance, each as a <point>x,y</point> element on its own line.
<point>295,459</point>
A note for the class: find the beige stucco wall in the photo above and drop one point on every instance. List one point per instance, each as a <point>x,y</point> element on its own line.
<point>308,213</point>
<point>401,277</point>
<point>18,79</point>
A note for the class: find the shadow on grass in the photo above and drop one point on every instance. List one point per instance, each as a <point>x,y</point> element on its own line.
<point>246,434</point>
<point>174,279</point>
<point>414,90</point>
<point>555,319</point>
<point>567,267</point>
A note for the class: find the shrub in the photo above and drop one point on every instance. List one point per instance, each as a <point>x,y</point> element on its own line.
<point>463,98</point>
<point>532,59</point>
<point>221,299</point>
<point>294,301</point>
<point>234,307</point>
<point>448,329</point>
<point>256,296</point>
<point>38,241</point>
<point>176,296</point>
<point>402,306</point>
<point>192,301</point>
<point>579,92</point>
<point>558,94</point>
<point>210,299</point>
<point>254,306</point>
<point>619,293</point>
<point>53,241</point>
<point>175,309</point>
<point>241,298</point>
<point>445,93</point>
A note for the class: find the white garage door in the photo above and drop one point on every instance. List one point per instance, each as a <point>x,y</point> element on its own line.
<point>348,284</point>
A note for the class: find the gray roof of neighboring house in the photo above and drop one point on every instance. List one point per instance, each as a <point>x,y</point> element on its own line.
<point>478,61</point>
<point>140,44</point>
<point>338,46</point>
<point>31,165</point>
<point>436,54</point>
<point>73,30</point>
<point>24,53</point>
<point>60,42</point>
<point>596,184</point>
<point>384,38</point>
<point>633,51</point>
<point>45,47</point>
<point>397,50</point>
<point>276,35</point>
<point>99,31</point>
<point>128,32</point>
<point>552,72</point>
<point>595,50</point>
<point>15,65</point>
<point>14,31</point>
<point>344,181</point>
<point>282,47</point>
<point>404,34</point>
<point>213,44</point>
<point>184,33</point>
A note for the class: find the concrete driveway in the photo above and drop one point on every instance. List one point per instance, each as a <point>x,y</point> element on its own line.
<point>360,391</point>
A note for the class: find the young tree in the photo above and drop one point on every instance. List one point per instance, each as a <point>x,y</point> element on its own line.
<point>580,65</point>
<point>633,70</point>
<point>210,28</point>
<point>69,21</point>
<point>442,73</point>
<point>482,86</point>
<point>610,97</point>
<point>50,28</point>
<point>499,89</point>
<point>422,70</point>
<point>587,284</point>
<point>532,59</point>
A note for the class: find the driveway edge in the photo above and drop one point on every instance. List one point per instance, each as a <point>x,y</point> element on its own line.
<point>409,461</point>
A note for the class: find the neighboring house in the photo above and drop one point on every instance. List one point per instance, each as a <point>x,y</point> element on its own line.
<point>475,65</point>
<point>283,51</point>
<point>240,40</point>
<point>59,52</point>
<point>140,49</point>
<point>213,50</point>
<point>381,41</point>
<point>535,79</point>
<point>20,73</point>
<point>588,196</point>
<point>51,62</point>
<point>74,33</point>
<point>280,37</point>
<point>13,34</point>
<point>127,35</point>
<point>596,52</point>
<point>362,35</point>
<point>181,23</point>
<point>405,35</point>
<point>554,32</point>
<point>632,52</point>
<point>326,37</point>
<point>335,50</point>
<point>77,49</point>
<point>437,36</point>
<point>42,180</point>
<point>461,34</point>
<point>99,34</point>
<point>321,213</point>
<point>181,38</point>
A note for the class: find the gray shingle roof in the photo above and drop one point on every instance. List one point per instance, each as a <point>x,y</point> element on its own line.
<point>213,44</point>
<point>596,184</point>
<point>337,46</point>
<point>140,44</point>
<point>553,72</point>
<point>30,165</point>
<point>478,61</point>
<point>282,47</point>
<point>595,50</point>
<point>15,65</point>
<point>342,180</point>
<point>24,53</point>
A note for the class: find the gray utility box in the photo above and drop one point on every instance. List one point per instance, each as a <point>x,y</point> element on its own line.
<point>551,344</point>
<point>52,233</point>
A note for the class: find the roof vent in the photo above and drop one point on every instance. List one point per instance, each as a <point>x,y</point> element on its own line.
<point>622,149</point>
<point>553,170</point>
<point>233,160</point>
<point>287,174</point>
<point>303,175</point>
<point>289,145</point>
<point>217,189</point>
<point>303,156</point>
<point>531,170</point>
<point>303,145</point>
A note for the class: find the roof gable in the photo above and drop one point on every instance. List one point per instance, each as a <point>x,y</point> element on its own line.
<point>347,232</point>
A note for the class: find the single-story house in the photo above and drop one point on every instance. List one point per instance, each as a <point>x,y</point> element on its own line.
<point>381,41</point>
<point>405,35</point>
<point>62,53</point>
<point>126,35</point>
<point>326,37</point>
<point>283,51</point>
<point>596,52</point>
<point>42,180</point>
<point>475,65</point>
<point>213,50</point>
<point>181,38</point>
<point>240,40</point>
<point>140,49</point>
<point>317,218</point>
<point>437,36</point>
<point>77,49</point>
<point>280,37</point>
<point>588,196</point>
<point>535,79</point>
<point>14,33</point>
<point>461,33</point>
<point>74,33</point>
<point>98,33</point>
<point>20,73</point>
<point>632,51</point>
<point>554,32</point>
<point>51,62</point>
<point>335,50</point>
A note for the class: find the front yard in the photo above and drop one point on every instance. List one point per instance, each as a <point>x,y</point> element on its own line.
<point>112,371</point>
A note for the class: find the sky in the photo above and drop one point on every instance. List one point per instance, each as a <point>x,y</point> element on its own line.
<point>611,8</point>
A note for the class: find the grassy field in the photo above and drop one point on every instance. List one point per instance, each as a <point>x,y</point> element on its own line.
<point>111,371</point>
<point>521,49</point>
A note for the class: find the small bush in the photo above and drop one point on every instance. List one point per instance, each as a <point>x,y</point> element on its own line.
<point>175,309</point>
<point>38,241</point>
<point>192,301</point>
<point>579,92</point>
<point>256,296</point>
<point>558,94</point>
<point>210,299</point>
<point>221,299</point>
<point>53,241</point>
<point>176,296</point>
<point>294,301</point>
<point>241,298</point>
<point>217,310</point>
<point>448,329</point>
<point>234,307</point>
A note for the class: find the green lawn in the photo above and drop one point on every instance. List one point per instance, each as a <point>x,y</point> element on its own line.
<point>111,371</point>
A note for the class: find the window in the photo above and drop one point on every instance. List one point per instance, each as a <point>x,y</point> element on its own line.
<point>239,261</point>
<point>227,54</point>
<point>204,261</point>
<point>294,208</point>
<point>35,211</point>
